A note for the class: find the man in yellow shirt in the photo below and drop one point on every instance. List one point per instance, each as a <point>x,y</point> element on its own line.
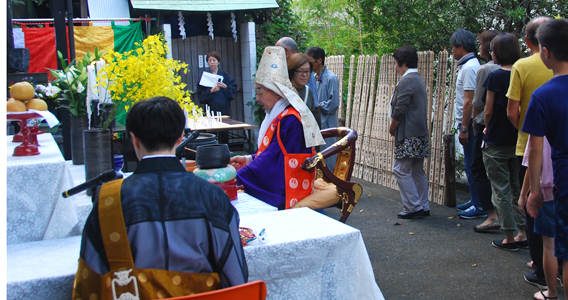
<point>527,75</point>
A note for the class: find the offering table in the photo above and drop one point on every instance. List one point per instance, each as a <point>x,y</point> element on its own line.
<point>306,256</point>
<point>35,208</point>
<point>228,125</point>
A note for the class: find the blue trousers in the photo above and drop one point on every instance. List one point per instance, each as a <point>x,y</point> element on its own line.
<point>468,157</point>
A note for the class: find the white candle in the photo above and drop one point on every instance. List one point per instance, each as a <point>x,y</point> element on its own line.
<point>103,96</point>
<point>91,81</point>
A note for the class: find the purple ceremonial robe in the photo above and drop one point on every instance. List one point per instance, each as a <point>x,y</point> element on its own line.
<point>263,177</point>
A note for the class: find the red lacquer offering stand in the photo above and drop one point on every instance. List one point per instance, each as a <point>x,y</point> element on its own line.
<point>27,136</point>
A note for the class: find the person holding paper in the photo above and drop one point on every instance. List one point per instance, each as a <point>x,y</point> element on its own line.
<point>218,94</point>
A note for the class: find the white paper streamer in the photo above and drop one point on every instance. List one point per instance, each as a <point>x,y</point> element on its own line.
<point>104,96</point>
<point>210,25</point>
<point>92,92</point>
<point>181,24</point>
<point>234,26</point>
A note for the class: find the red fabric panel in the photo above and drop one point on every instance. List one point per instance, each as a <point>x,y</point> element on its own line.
<point>41,43</point>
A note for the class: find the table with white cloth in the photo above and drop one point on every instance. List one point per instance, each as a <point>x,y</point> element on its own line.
<point>35,208</point>
<point>306,256</point>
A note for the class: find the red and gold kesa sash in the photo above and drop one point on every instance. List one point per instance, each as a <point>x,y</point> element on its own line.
<point>299,183</point>
<point>124,278</point>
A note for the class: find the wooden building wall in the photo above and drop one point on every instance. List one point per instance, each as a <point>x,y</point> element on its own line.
<point>191,48</point>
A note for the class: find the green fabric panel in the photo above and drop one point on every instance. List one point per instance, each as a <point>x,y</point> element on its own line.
<point>121,116</point>
<point>126,36</point>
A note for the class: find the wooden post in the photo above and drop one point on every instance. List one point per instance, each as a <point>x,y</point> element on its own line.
<point>70,30</point>
<point>450,163</point>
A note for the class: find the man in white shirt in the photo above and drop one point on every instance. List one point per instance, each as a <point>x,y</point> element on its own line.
<point>463,50</point>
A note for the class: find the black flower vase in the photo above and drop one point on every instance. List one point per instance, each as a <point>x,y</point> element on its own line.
<point>78,125</point>
<point>103,114</point>
<point>98,153</point>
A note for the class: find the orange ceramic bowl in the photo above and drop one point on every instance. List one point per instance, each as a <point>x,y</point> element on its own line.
<point>190,165</point>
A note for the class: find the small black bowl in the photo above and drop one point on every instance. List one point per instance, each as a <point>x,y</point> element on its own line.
<point>213,156</point>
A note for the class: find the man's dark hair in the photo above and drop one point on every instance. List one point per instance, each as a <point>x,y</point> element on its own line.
<point>213,54</point>
<point>506,49</point>
<point>157,122</point>
<point>463,38</point>
<point>485,39</point>
<point>554,36</point>
<point>316,53</point>
<point>406,55</point>
<point>288,43</point>
<point>532,28</point>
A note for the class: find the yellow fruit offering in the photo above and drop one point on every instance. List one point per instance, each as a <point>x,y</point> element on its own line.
<point>36,104</point>
<point>15,105</point>
<point>22,91</point>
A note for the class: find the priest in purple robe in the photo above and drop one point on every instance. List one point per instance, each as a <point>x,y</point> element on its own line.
<point>288,133</point>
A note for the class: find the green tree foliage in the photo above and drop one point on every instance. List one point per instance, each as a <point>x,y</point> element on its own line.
<point>273,24</point>
<point>428,24</point>
<point>333,25</point>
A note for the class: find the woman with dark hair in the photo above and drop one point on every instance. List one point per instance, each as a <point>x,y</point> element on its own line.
<point>220,96</point>
<point>409,126</point>
<point>299,70</point>
<point>500,142</point>
<point>478,174</point>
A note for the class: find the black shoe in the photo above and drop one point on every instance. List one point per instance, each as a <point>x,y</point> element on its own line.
<point>410,215</point>
<point>508,247</point>
<point>426,213</point>
<point>531,278</point>
<point>523,245</point>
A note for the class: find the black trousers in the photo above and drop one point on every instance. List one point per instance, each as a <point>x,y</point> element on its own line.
<point>478,173</point>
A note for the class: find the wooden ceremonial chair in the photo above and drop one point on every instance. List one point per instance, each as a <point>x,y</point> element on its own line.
<point>349,192</point>
<point>248,291</point>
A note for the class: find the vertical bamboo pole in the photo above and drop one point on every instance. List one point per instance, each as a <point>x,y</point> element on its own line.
<point>349,92</point>
<point>340,70</point>
<point>357,107</point>
<point>360,158</point>
<point>436,158</point>
<point>373,162</point>
<point>367,172</point>
<point>377,123</point>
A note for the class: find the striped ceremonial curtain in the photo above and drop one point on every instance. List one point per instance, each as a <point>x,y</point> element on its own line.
<point>41,42</point>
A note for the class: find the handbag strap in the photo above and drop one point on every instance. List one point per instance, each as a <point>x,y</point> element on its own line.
<point>113,228</point>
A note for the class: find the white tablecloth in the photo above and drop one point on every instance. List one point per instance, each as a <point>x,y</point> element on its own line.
<point>35,207</point>
<point>307,256</point>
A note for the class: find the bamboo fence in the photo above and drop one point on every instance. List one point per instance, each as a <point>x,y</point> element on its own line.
<point>371,83</point>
